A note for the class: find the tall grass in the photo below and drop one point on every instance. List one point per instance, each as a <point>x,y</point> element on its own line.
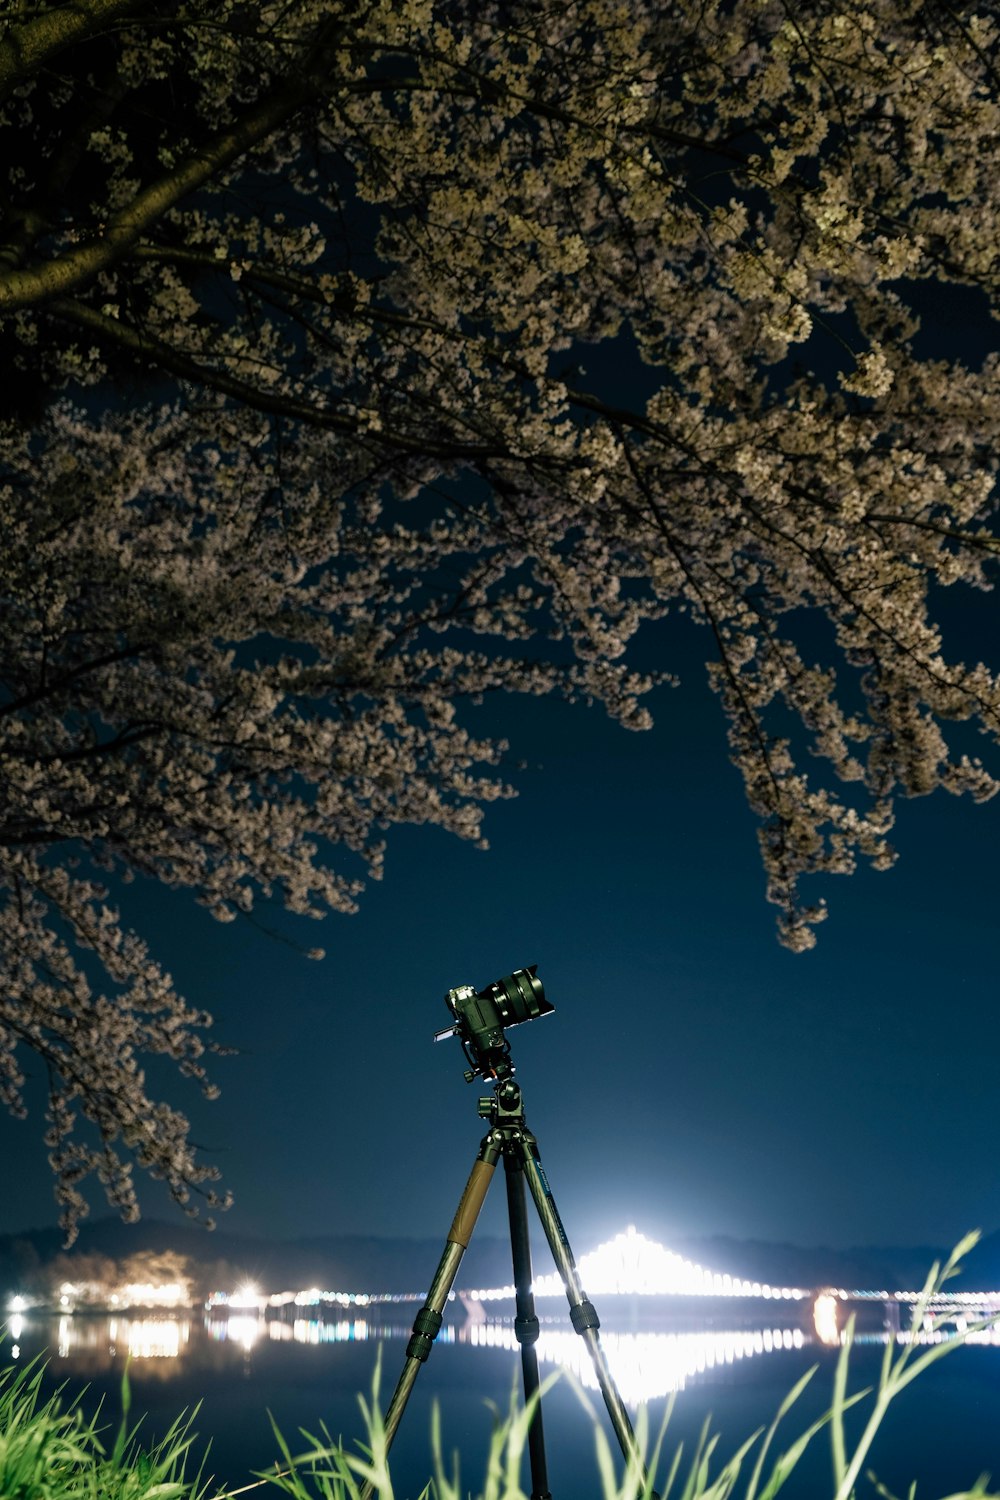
<point>50,1451</point>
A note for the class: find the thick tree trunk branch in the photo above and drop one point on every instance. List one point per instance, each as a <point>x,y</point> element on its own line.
<point>75,268</point>
<point>26,48</point>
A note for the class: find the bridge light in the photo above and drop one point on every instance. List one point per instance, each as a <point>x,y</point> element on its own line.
<point>825,1319</point>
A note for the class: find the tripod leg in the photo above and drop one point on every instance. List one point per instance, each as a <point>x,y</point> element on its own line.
<point>583,1314</point>
<point>525,1322</point>
<point>429,1319</point>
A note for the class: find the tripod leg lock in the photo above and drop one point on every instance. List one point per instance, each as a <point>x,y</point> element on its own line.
<point>526,1330</point>
<point>583,1316</point>
<point>426,1325</point>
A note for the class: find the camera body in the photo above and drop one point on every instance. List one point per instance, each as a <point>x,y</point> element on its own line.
<point>481,1016</point>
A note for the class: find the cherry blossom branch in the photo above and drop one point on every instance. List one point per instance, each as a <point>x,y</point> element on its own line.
<point>157,351</point>
<point>57,685</point>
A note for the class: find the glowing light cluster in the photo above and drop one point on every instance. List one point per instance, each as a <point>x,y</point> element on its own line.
<point>150,1294</point>
<point>632,1265</point>
<point>149,1338</point>
<point>933,1332</point>
<point>314,1297</point>
<point>243,1329</point>
<point>983,1300</point>
<point>143,1338</point>
<point>951,1299</point>
<point>248,1296</point>
<point>645,1366</point>
<point>826,1320</point>
<point>313,1331</point>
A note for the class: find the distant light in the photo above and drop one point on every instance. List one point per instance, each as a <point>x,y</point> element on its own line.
<point>646,1366</point>
<point>825,1318</point>
<point>17,1304</point>
<point>632,1265</point>
<point>243,1330</point>
<point>308,1297</point>
<point>150,1294</point>
<point>247,1295</point>
<point>155,1338</point>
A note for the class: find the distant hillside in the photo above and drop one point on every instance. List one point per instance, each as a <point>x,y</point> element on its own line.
<point>370,1263</point>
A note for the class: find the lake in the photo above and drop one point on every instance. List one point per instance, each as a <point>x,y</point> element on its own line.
<point>944,1432</point>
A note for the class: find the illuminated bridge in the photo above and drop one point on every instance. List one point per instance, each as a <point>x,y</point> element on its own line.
<point>629,1265</point>
<point>632,1266</point>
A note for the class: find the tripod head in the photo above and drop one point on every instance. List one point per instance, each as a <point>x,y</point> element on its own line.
<point>481,1015</point>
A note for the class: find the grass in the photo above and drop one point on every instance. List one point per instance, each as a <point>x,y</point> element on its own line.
<point>50,1451</point>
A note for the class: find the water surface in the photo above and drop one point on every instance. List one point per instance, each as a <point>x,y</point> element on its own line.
<point>245,1370</point>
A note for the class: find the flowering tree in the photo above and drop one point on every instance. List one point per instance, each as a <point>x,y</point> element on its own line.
<point>301,453</point>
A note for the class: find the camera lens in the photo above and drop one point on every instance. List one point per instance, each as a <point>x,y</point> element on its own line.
<point>519,997</point>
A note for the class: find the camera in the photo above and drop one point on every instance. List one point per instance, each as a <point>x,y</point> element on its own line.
<point>481,1015</point>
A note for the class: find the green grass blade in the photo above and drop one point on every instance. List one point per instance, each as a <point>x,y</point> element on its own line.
<point>783,1410</point>
<point>838,1408</point>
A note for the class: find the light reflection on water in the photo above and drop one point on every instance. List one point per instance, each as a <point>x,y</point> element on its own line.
<point>141,1338</point>
<point>645,1365</point>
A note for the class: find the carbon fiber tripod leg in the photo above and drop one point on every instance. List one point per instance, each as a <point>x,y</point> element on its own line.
<point>583,1314</point>
<point>428,1320</point>
<point>525,1322</point>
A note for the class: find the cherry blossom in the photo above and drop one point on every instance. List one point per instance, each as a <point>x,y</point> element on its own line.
<point>312,315</point>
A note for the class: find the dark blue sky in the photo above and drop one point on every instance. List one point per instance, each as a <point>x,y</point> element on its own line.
<point>695,1077</point>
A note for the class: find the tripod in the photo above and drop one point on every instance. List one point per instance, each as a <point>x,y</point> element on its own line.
<point>510,1138</point>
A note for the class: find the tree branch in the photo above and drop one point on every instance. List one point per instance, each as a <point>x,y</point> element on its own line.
<point>159,353</point>
<point>28,47</point>
<point>28,700</point>
<point>74,268</point>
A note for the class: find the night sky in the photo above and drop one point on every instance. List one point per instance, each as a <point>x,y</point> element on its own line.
<point>695,1078</point>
